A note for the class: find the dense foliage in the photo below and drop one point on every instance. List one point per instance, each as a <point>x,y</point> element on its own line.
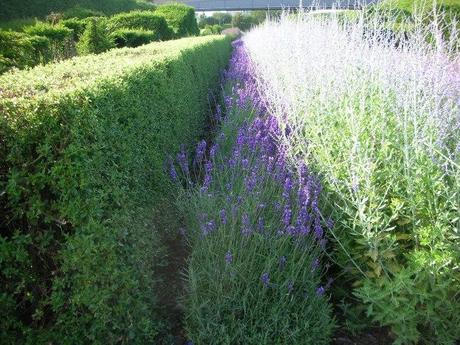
<point>180,18</point>
<point>79,12</point>
<point>81,172</point>
<point>77,26</point>
<point>145,20</point>
<point>11,9</point>
<point>379,119</point>
<point>132,38</point>
<point>95,39</point>
<point>217,18</point>
<point>211,30</point>
<point>59,36</point>
<point>21,50</point>
<point>254,228</point>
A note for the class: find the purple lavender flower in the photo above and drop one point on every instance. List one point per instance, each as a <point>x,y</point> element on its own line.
<point>182,160</point>
<point>228,257</point>
<point>260,225</point>
<point>208,227</point>
<point>206,183</point>
<point>172,170</point>
<point>314,265</point>
<point>320,291</point>
<point>290,286</point>
<point>223,216</point>
<point>208,167</point>
<point>213,151</point>
<point>265,278</point>
<point>200,150</point>
<point>318,229</point>
<point>283,261</point>
<point>291,230</point>
<point>287,187</point>
<point>303,195</point>
<point>246,226</point>
<point>250,181</point>
<point>271,163</point>
<point>218,113</point>
<point>303,172</point>
<point>287,216</point>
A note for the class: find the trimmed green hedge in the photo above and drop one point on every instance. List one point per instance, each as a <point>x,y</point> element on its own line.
<point>22,50</point>
<point>180,18</point>
<point>82,147</point>
<point>145,20</point>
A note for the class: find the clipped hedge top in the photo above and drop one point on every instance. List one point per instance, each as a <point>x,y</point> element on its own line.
<point>80,72</point>
<point>180,17</point>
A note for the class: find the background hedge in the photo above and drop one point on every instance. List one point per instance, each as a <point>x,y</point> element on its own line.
<point>82,146</point>
<point>133,38</point>
<point>180,18</point>
<point>11,9</point>
<point>144,20</point>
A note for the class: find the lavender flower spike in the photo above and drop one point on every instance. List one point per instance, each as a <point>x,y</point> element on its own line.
<point>265,278</point>
<point>228,257</point>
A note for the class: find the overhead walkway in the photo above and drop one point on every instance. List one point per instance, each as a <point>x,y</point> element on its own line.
<point>241,5</point>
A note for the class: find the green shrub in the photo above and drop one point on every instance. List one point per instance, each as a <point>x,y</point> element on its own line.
<point>60,37</point>
<point>243,21</point>
<point>81,175</point>
<point>211,30</point>
<point>95,39</point>
<point>81,13</point>
<point>16,24</point>
<point>55,33</point>
<point>21,50</point>
<point>133,38</point>
<point>206,31</point>
<point>180,18</point>
<point>78,26</point>
<point>146,20</point>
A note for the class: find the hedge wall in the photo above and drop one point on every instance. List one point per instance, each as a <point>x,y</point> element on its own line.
<point>82,148</point>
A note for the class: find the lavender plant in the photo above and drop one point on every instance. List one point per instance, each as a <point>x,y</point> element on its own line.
<point>378,115</point>
<point>255,230</point>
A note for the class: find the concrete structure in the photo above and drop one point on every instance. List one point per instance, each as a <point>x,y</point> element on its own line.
<point>239,5</point>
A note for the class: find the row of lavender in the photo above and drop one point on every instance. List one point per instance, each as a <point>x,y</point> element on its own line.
<point>254,227</point>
